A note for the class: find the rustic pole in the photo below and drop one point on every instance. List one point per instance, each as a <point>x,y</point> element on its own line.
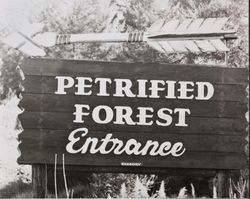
<point>223,184</point>
<point>39,181</point>
<point>226,54</point>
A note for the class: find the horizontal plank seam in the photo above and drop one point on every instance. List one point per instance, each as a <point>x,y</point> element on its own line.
<point>146,98</point>
<point>73,76</point>
<point>49,59</point>
<point>134,131</point>
<point>212,153</point>
<point>70,112</point>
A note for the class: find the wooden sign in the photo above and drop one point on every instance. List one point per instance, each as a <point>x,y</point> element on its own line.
<point>110,114</point>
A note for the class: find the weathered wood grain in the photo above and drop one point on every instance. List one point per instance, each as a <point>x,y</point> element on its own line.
<point>51,67</point>
<point>214,137</point>
<point>140,170</point>
<point>48,85</point>
<point>195,143</point>
<point>65,104</point>
<point>196,125</point>
<point>198,160</point>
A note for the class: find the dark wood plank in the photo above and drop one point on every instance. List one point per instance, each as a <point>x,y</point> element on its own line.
<point>48,85</point>
<point>140,170</point>
<point>65,104</point>
<point>198,160</point>
<point>51,67</point>
<point>200,125</point>
<point>198,143</point>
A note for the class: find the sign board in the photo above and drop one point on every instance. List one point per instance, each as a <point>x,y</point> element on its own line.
<point>151,115</point>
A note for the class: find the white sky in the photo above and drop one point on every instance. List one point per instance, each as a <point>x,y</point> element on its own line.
<point>15,13</point>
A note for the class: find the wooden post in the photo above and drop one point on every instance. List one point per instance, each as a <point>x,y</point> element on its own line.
<point>223,184</point>
<point>39,180</point>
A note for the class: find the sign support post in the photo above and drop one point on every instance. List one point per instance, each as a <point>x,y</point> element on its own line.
<point>223,175</point>
<point>39,180</point>
<point>223,180</point>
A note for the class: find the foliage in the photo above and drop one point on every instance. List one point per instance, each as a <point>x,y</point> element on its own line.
<point>136,187</point>
<point>111,186</point>
<point>17,189</point>
<point>161,192</point>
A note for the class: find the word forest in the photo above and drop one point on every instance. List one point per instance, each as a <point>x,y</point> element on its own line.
<point>80,142</point>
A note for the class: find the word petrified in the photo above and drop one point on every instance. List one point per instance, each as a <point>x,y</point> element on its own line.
<point>78,143</point>
<point>140,88</point>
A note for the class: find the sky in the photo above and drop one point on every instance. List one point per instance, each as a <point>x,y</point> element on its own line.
<point>15,13</point>
<point>8,142</point>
